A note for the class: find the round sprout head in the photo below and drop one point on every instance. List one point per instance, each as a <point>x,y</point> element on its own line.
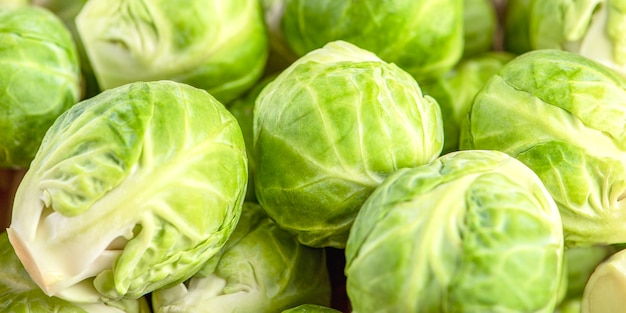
<point>474,231</point>
<point>562,115</point>
<point>131,190</point>
<point>328,130</point>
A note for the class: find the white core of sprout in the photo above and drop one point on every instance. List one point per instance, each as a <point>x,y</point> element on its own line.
<point>58,260</point>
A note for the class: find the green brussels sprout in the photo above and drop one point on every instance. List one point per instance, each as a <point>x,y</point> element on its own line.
<point>562,115</point>
<point>479,27</point>
<point>473,231</point>
<point>455,91</point>
<point>262,268</point>
<point>328,130</point>
<point>311,308</point>
<point>131,190</point>
<point>423,37</point>
<point>606,289</point>
<point>39,80</point>
<point>592,28</point>
<point>219,46</point>
<point>19,294</point>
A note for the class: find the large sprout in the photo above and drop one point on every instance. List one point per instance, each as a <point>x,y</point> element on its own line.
<point>219,46</point>
<point>262,268</point>
<point>328,130</point>
<point>132,190</point>
<point>39,79</point>
<point>564,116</point>
<point>474,231</point>
<point>423,37</point>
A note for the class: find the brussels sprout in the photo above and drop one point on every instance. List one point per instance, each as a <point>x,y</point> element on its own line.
<point>455,91</point>
<point>592,28</point>
<point>473,231</point>
<point>262,268</point>
<point>562,115</point>
<point>19,294</point>
<point>606,289</point>
<point>131,190</point>
<point>423,37</point>
<point>219,46</point>
<point>479,27</point>
<point>328,130</point>
<point>39,79</point>
<point>311,308</point>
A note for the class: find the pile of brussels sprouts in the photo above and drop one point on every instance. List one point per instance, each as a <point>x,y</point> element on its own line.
<point>312,156</point>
